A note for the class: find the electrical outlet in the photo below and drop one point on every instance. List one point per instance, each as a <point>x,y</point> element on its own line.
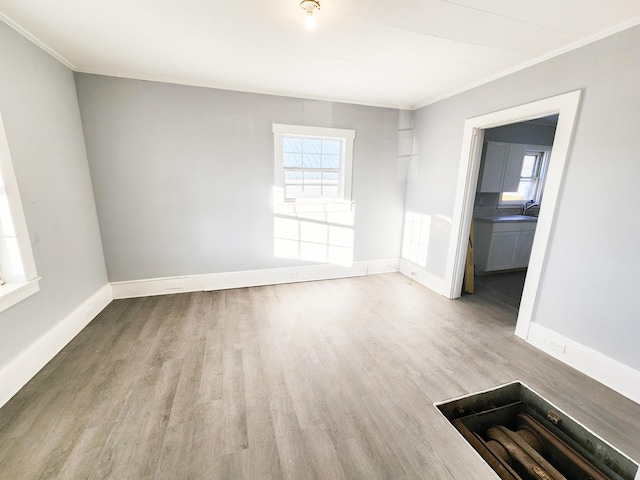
<point>557,346</point>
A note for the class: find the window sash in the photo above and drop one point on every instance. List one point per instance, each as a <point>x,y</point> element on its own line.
<point>531,181</point>
<point>311,183</point>
<point>312,163</point>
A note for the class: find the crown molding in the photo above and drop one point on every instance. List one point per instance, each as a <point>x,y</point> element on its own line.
<point>35,40</point>
<point>548,56</point>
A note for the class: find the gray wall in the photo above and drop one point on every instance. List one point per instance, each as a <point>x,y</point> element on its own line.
<point>588,287</point>
<point>42,122</point>
<point>524,132</point>
<point>183,176</point>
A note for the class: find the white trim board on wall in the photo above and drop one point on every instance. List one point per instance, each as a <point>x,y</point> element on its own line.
<point>566,105</point>
<point>249,278</point>
<point>615,375</point>
<point>30,361</point>
<point>423,277</point>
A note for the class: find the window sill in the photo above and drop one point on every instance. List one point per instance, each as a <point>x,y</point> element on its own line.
<point>313,206</point>
<point>13,293</point>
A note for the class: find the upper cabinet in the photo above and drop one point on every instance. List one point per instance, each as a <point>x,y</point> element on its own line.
<point>502,167</point>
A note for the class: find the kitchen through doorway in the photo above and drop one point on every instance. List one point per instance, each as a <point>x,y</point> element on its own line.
<point>510,192</point>
<point>566,105</point>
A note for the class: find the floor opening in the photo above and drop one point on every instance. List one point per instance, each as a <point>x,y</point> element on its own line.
<point>524,437</point>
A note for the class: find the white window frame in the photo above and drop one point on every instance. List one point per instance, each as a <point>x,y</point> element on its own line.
<point>542,168</point>
<point>346,172</point>
<point>16,256</point>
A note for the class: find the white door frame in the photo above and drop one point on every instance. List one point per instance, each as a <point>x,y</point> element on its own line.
<point>566,105</point>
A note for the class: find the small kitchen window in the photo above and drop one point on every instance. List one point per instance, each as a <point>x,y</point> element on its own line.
<point>532,176</point>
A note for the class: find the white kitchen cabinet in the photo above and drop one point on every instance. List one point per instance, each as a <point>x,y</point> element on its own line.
<point>494,160</point>
<point>523,247</point>
<point>503,245</point>
<point>502,250</point>
<point>502,167</point>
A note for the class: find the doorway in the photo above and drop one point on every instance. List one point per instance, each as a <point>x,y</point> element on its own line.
<point>508,198</point>
<point>566,106</point>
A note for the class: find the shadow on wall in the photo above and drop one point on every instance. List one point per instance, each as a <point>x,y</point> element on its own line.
<point>313,232</point>
<point>424,233</point>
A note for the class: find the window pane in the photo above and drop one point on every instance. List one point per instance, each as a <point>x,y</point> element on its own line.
<point>526,191</point>
<point>291,160</point>
<point>330,177</point>
<point>291,175</point>
<point>529,166</point>
<point>311,160</point>
<point>291,144</point>
<point>331,147</point>
<point>312,177</point>
<point>511,197</point>
<point>526,188</point>
<point>330,161</point>
<point>312,145</point>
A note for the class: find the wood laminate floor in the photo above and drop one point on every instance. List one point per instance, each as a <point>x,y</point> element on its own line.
<point>501,287</point>
<point>319,380</point>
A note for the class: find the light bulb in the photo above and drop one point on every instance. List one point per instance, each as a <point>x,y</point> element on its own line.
<point>310,21</point>
<point>309,7</point>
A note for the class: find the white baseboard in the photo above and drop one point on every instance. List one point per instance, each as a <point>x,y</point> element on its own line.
<point>615,375</point>
<point>249,278</point>
<point>31,360</point>
<point>423,277</point>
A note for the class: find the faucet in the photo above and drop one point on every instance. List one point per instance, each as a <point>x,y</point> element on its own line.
<point>528,205</point>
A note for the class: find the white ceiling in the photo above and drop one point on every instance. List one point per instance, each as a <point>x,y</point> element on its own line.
<point>401,53</point>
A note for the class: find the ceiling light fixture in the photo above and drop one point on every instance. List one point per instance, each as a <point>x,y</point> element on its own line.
<point>310,6</point>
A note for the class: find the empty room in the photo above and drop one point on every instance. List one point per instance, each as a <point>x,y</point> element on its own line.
<point>319,239</point>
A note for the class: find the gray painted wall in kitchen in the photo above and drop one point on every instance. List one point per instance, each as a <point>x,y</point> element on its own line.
<point>40,112</point>
<point>588,287</point>
<point>183,176</point>
<point>523,132</point>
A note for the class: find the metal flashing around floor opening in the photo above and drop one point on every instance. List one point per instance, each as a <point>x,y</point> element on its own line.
<point>522,436</point>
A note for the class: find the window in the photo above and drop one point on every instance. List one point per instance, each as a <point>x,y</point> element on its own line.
<point>534,168</point>
<point>313,164</point>
<point>19,275</point>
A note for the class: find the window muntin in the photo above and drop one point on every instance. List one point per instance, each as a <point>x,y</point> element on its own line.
<point>313,164</point>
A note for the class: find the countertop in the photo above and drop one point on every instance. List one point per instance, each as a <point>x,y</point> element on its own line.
<point>507,218</point>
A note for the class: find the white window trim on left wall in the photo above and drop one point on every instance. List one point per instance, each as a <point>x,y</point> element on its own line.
<point>16,256</point>
<point>346,135</point>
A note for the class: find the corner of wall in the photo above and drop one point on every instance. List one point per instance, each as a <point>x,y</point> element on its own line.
<point>30,361</point>
<point>423,277</point>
